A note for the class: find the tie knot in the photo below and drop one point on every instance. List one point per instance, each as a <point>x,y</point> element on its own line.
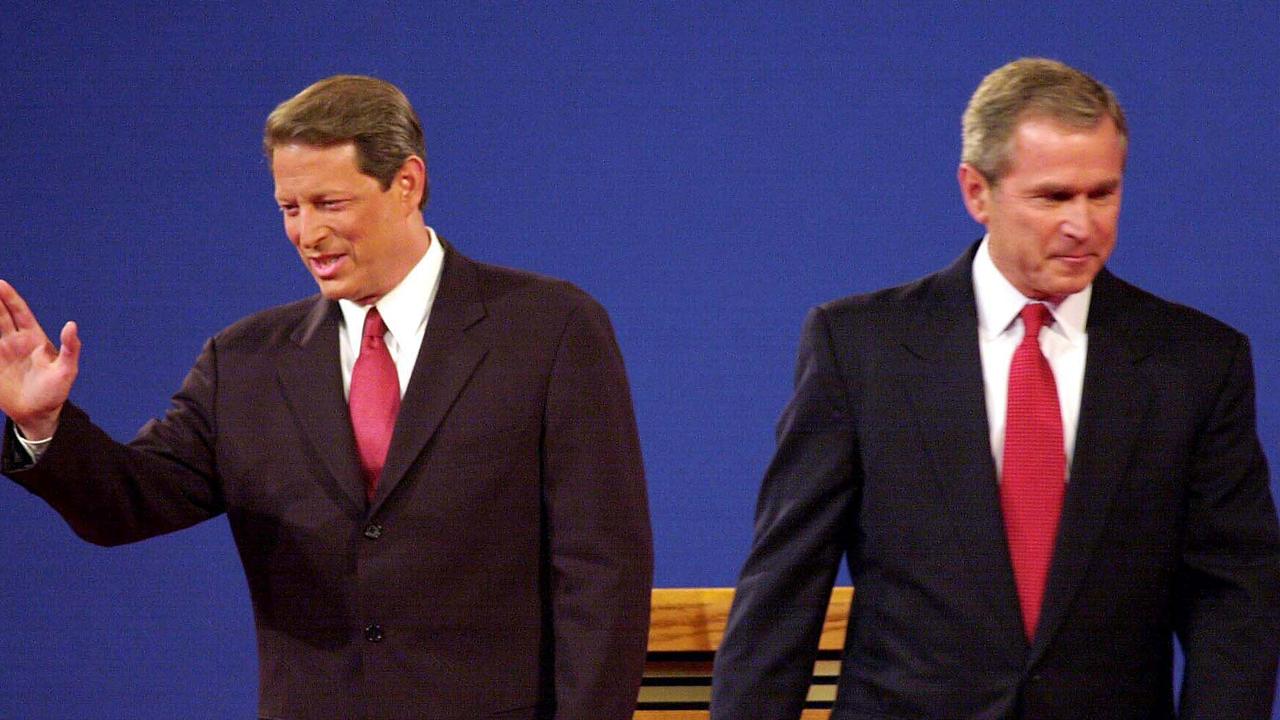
<point>1034,317</point>
<point>373,325</point>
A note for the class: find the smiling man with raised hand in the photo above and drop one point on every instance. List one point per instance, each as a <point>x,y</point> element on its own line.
<point>1038,474</point>
<point>431,470</point>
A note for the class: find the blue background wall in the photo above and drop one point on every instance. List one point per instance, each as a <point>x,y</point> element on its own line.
<point>708,172</point>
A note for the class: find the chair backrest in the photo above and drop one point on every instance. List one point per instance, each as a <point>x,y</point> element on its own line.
<point>684,632</point>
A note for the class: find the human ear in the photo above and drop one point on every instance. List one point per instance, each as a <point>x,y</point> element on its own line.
<point>976,192</point>
<point>411,181</point>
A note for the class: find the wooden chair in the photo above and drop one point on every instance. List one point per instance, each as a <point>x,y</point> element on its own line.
<point>684,632</point>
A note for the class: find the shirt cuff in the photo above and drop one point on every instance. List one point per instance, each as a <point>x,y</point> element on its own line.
<point>33,448</point>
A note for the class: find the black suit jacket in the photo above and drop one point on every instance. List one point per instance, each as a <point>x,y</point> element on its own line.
<point>503,568</point>
<point>884,458</point>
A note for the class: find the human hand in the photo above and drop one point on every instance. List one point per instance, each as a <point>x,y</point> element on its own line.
<point>35,377</point>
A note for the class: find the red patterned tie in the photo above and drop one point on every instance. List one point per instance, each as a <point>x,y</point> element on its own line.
<point>1035,466</point>
<point>374,400</point>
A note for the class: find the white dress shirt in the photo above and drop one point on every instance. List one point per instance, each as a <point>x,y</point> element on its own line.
<point>1065,344</point>
<point>405,310</point>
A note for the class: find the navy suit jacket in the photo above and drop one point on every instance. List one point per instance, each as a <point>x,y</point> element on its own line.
<point>501,571</point>
<point>884,458</point>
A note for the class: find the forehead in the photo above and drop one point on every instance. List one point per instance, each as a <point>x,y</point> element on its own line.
<point>299,167</point>
<point>1042,144</point>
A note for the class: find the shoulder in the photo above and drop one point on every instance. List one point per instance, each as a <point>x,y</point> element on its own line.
<point>521,295</point>
<point>1156,320</point>
<point>946,294</point>
<point>529,314</point>
<point>906,297</point>
<point>504,284</point>
<point>271,327</point>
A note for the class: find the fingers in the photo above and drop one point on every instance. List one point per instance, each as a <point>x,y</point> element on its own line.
<point>8,297</point>
<point>69,355</point>
<point>14,313</point>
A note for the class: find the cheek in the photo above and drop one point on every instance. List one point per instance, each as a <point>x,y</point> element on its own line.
<point>292,227</point>
<point>1108,220</point>
<point>1033,233</point>
<point>1046,229</point>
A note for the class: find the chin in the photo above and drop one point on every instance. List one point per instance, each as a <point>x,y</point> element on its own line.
<point>1073,282</point>
<point>1072,287</point>
<point>331,291</point>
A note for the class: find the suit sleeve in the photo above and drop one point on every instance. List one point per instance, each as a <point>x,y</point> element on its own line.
<point>1227,600</point>
<point>110,493</point>
<point>599,543</point>
<point>765,663</point>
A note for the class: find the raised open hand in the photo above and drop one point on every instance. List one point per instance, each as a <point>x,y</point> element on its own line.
<point>35,377</point>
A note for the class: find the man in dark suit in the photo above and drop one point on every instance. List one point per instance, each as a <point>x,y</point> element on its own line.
<point>471,541</point>
<point>1027,525</point>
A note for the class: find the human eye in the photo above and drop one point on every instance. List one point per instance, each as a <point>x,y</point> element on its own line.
<point>1049,194</point>
<point>288,209</point>
<point>332,204</point>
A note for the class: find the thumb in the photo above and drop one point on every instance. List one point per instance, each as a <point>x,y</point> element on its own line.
<point>69,354</point>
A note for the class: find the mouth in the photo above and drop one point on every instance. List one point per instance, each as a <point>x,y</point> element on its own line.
<point>326,267</point>
<point>1075,259</point>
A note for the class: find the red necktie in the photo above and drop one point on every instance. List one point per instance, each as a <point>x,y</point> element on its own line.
<point>1035,466</point>
<point>374,400</point>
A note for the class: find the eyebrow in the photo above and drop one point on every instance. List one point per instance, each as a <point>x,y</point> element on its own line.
<point>331,194</point>
<point>1053,188</point>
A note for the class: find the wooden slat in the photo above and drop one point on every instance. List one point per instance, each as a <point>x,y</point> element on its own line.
<point>693,619</point>
<point>705,715</point>
<point>688,619</point>
<point>686,628</point>
<point>668,695</point>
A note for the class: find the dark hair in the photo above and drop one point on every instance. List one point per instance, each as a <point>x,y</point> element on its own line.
<point>371,113</point>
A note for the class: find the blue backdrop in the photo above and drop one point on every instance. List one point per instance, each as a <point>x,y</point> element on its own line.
<point>708,171</point>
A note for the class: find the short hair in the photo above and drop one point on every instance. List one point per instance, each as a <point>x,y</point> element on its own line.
<point>1031,87</point>
<point>371,113</point>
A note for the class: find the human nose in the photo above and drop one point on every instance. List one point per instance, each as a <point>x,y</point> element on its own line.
<point>1077,217</point>
<point>308,229</point>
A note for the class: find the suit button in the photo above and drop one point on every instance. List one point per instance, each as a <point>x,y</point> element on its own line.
<point>373,531</point>
<point>373,633</point>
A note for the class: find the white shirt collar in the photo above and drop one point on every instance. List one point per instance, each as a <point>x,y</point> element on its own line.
<point>406,308</point>
<point>999,302</point>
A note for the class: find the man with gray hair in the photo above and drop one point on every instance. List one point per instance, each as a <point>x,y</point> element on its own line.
<point>1038,474</point>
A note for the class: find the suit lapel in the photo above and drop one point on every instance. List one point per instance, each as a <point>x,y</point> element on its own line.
<point>946,389</point>
<point>446,361</point>
<point>1116,396</point>
<point>310,374</point>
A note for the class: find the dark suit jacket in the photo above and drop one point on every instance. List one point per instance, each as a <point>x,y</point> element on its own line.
<point>884,458</point>
<point>502,570</point>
